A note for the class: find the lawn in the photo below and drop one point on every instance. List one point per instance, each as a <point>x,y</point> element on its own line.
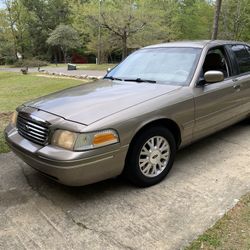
<point>16,89</point>
<point>230,232</point>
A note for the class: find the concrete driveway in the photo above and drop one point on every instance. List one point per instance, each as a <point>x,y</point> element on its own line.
<point>207,179</point>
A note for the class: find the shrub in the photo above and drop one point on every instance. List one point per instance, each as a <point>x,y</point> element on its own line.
<point>10,60</point>
<point>31,63</point>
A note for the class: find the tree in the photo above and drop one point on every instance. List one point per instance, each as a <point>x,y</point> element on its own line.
<point>195,19</point>
<point>235,21</point>
<point>7,52</point>
<point>124,24</point>
<point>15,15</point>
<point>85,21</point>
<point>43,18</point>
<point>216,19</point>
<point>65,37</point>
<point>162,27</point>
<point>26,25</point>
<point>121,19</point>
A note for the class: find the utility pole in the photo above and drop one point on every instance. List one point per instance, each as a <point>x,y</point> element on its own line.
<point>99,34</point>
<point>216,19</point>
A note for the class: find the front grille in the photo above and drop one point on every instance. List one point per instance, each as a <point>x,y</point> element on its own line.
<point>32,130</point>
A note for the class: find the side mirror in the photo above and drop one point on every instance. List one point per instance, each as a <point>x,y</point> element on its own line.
<point>213,76</point>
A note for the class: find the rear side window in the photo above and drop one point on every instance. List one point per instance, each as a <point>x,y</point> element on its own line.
<point>243,57</point>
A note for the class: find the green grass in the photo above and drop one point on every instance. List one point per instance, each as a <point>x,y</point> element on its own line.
<point>16,89</point>
<point>230,232</point>
<point>4,119</point>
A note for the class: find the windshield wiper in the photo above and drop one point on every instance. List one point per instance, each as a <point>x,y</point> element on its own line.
<point>112,78</point>
<point>139,80</point>
<point>129,80</point>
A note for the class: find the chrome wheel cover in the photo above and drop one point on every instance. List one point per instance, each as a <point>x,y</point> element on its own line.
<point>154,156</point>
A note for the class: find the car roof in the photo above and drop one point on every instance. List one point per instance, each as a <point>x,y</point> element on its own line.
<point>193,44</point>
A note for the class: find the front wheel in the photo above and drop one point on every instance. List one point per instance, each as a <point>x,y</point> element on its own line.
<point>150,156</point>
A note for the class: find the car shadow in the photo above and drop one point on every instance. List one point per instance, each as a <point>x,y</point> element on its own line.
<point>119,186</point>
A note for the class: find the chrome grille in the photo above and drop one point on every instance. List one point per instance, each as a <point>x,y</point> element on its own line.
<point>32,130</point>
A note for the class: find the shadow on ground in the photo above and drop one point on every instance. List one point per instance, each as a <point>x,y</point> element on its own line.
<point>119,184</point>
<point>206,180</point>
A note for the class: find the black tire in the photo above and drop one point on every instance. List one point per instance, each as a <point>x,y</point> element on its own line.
<point>132,169</point>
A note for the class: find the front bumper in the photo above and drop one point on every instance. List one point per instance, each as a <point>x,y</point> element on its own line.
<point>67,167</point>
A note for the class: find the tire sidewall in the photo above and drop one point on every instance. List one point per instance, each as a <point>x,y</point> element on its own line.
<point>132,163</point>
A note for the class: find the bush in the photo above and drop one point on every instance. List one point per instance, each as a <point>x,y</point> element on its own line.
<point>10,60</point>
<point>31,63</point>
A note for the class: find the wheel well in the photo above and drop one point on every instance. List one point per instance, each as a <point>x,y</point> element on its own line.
<point>167,123</point>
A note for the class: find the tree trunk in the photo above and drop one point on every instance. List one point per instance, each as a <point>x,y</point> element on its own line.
<point>124,47</point>
<point>64,54</point>
<point>60,55</point>
<point>14,41</point>
<point>216,19</point>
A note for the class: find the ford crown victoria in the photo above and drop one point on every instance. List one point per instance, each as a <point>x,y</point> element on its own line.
<point>158,100</point>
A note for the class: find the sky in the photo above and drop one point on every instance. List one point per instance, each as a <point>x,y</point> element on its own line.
<point>1,4</point>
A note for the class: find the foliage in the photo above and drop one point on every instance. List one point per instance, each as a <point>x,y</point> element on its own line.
<point>112,27</point>
<point>125,25</point>
<point>9,60</point>
<point>30,23</point>
<point>16,17</point>
<point>4,120</point>
<point>6,40</point>
<point>64,37</point>
<point>124,19</point>
<point>235,20</point>
<point>30,63</point>
<point>195,19</point>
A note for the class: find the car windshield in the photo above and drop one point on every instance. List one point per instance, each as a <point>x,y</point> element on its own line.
<point>173,66</point>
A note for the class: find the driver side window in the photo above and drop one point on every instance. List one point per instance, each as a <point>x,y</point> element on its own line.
<point>216,60</point>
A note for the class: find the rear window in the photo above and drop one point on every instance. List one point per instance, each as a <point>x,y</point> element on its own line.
<point>242,55</point>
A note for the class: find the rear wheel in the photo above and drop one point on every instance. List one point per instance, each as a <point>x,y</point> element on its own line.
<point>150,156</point>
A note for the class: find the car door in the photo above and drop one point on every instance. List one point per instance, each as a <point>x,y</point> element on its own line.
<point>241,56</point>
<point>216,104</point>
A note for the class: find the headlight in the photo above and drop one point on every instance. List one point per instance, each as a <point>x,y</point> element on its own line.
<point>13,119</point>
<point>64,139</point>
<point>85,141</point>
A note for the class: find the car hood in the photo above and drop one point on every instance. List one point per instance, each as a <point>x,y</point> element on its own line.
<point>91,102</point>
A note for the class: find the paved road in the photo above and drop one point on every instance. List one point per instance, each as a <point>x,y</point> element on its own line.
<point>62,70</point>
<point>207,179</point>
